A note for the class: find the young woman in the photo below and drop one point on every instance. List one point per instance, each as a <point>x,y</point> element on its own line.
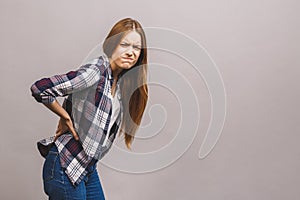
<point>105,96</point>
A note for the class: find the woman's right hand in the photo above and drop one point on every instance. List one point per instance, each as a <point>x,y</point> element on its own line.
<point>63,126</point>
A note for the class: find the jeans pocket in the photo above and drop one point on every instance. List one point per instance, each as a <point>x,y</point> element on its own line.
<point>52,169</point>
<point>49,165</point>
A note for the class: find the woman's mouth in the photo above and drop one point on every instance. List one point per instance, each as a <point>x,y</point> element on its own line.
<point>128,59</point>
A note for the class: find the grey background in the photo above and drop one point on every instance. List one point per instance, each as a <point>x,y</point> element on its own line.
<point>255,45</point>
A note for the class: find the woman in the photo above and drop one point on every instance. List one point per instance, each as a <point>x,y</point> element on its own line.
<point>102,95</point>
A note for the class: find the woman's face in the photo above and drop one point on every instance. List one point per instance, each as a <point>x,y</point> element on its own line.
<point>127,52</point>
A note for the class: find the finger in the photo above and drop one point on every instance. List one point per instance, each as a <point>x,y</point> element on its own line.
<point>71,128</point>
<point>75,135</point>
<point>57,134</point>
<point>58,125</point>
<point>57,130</point>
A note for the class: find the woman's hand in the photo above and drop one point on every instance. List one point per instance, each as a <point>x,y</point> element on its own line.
<point>65,123</point>
<point>63,126</point>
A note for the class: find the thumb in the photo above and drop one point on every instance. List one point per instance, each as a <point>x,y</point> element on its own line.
<point>57,133</point>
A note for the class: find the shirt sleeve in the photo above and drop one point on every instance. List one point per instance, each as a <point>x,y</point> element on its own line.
<point>46,90</point>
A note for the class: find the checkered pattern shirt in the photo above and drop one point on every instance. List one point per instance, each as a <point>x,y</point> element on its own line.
<point>89,103</point>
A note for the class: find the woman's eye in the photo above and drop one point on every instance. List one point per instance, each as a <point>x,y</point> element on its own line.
<point>137,47</point>
<point>124,44</point>
<point>127,45</point>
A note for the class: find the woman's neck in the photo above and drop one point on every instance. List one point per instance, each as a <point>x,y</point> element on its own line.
<point>115,69</point>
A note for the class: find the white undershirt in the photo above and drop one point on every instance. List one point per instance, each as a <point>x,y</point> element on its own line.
<point>115,112</point>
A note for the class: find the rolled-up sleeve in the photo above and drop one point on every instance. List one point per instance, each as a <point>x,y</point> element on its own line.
<point>46,90</point>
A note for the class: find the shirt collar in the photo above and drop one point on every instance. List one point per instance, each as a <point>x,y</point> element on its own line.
<point>107,65</point>
<point>110,76</point>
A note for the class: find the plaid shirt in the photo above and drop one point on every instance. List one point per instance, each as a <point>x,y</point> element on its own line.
<point>89,103</point>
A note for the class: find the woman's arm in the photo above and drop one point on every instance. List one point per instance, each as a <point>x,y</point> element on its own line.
<point>46,90</point>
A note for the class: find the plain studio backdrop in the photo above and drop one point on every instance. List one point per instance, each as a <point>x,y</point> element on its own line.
<point>255,45</point>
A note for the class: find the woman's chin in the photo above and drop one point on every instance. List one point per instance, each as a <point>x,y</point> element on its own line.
<point>126,65</point>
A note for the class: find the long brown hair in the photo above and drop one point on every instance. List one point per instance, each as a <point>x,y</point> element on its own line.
<point>133,85</point>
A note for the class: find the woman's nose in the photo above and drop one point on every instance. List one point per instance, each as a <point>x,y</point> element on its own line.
<point>130,52</point>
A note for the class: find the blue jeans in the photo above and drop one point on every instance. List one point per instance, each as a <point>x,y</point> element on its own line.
<point>58,186</point>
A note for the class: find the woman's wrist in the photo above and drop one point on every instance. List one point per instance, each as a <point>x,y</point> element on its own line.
<point>58,109</point>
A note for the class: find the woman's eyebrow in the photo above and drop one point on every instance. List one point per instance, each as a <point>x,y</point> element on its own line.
<point>139,44</point>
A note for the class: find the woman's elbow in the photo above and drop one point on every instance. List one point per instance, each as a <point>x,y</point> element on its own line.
<point>35,93</point>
